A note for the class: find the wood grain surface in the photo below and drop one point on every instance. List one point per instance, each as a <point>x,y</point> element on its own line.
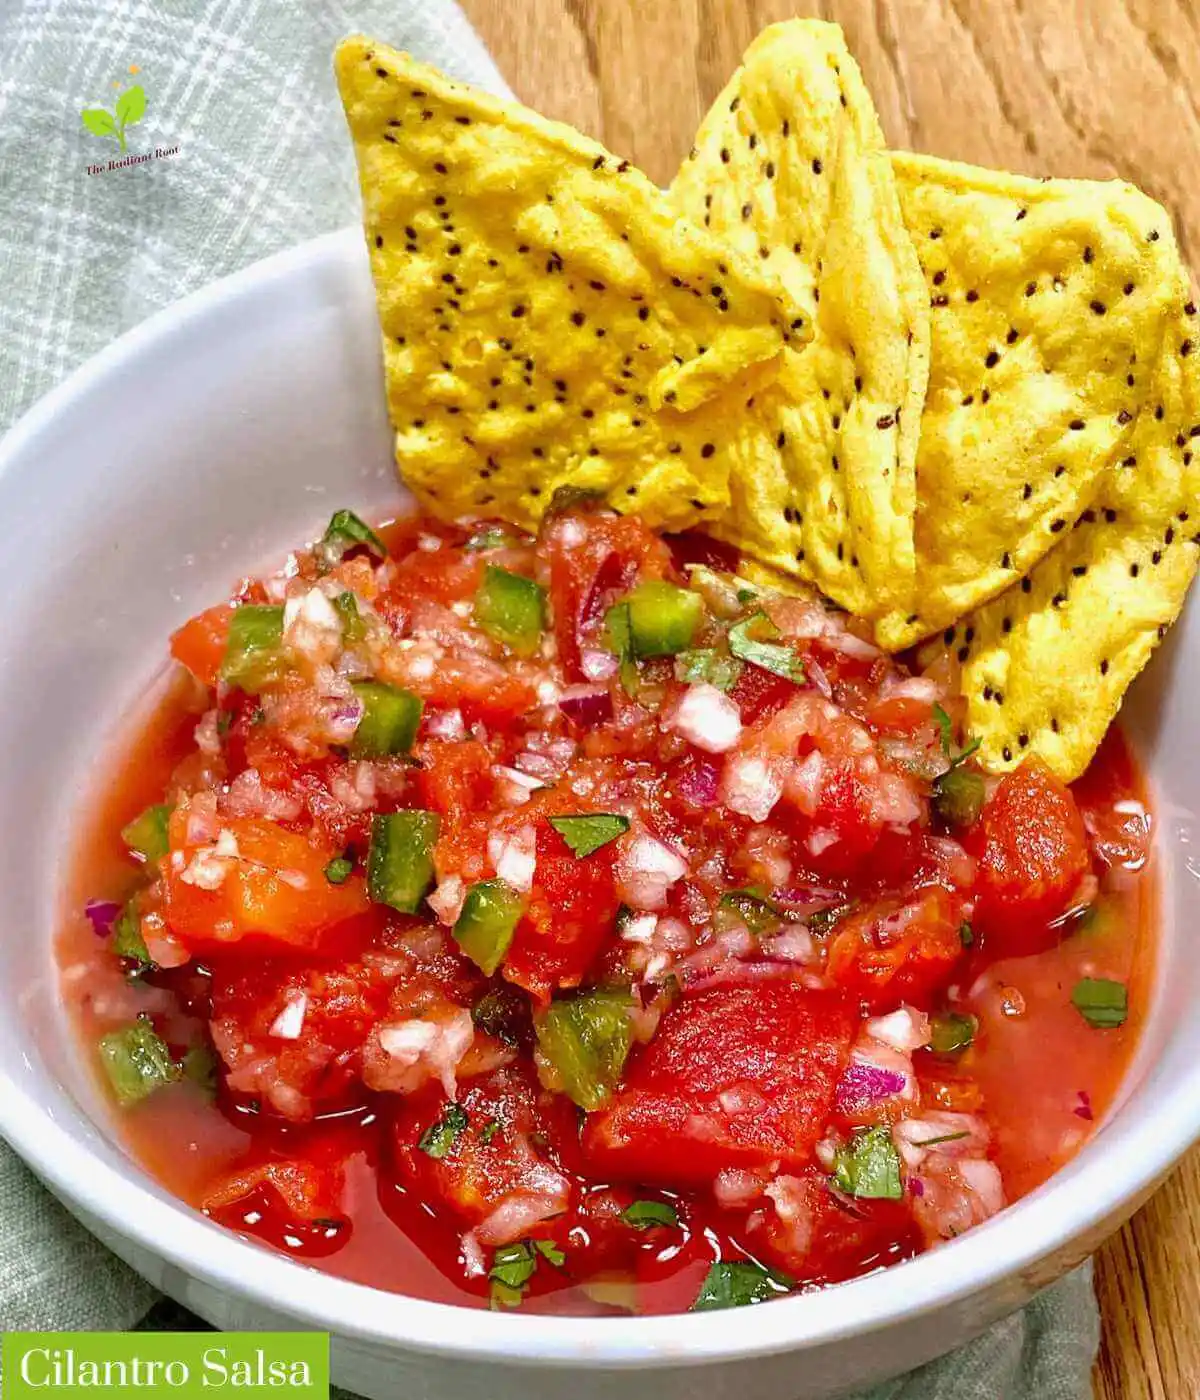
<point>1052,88</point>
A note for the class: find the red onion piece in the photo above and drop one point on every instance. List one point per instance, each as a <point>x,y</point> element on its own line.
<point>347,712</point>
<point>798,902</point>
<point>587,708</point>
<point>817,678</point>
<point>733,973</point>
<point>697,779</point>
<point>862,1086</point>
<point>612,576</point>
<point>102,914</point>
<point>916,1186</point>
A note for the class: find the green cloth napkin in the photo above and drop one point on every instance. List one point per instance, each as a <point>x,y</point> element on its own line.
<point>243,90</point>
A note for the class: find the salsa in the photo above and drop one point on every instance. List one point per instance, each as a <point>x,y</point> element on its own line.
<point>581,925</point>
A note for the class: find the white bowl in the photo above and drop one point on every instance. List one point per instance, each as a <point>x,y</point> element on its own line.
<point>210,440</point>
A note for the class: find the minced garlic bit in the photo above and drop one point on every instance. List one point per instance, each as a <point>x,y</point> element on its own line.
<point>209,866</point>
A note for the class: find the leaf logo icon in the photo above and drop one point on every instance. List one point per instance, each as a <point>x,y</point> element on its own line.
<point>130,109</point>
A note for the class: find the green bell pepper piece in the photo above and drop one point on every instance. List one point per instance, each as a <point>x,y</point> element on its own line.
<point>586,1038</point>
<point>137,1062</point>
<point>400,861</point>
<point>254,655</point>
<point>485,926</point>
<point>146,834</point>
<point>511,608</point>
<point>663,618</point>
<point>390,718</point>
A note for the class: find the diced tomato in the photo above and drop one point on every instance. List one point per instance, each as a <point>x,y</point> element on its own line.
<point>456,779</point>
<point>1033,853</point>
<point>845,812</point>
<point>447,575</point>
<point>291,1193</point>
<point>479,688</point>
<point>736,1076</point>
<point>274,889</point>
<point>896,952</point>
<point>341,1002</point>
<point>570,913</point>
<point>200,643</point>
<point>328,1011</point>
<point>587,574</point>
<point>760,694</point>
<point>695,547</point>
<point>308,1190</point>
<point>899,714</point>
<point>837,839</point>
<point>501,1155</point>
<point>497,701</point>
<point>1113,806</point>
<point>818,1237</point>
<point>899,858</point>
<point>945,1086</point>
<point>334,823</point>
<point>253,745</point>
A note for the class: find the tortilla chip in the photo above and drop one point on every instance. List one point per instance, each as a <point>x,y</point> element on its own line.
<point>1050,300</point>
<point>547,319</point>
<point>1046,665</point>
<point>789,167</point>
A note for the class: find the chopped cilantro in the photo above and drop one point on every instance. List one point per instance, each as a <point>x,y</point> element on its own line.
<point>749,907</point>
<point>708,665</point>
<point>200,1067</point>
<point>354,629</point>
<point>618,638</point>
<point>439,1138</point>
<point>551,1252</point>
<point>344,532</point>
<point>644,1215</point>
<point>339,870</point>
<point>820,921</point>
<point>513,1265</point>
<point>503,1012</point>
<point>1101,1002</point>
<point>946,730</point>
<point>869,1167</point>
<point>589,831</point>
<point>737,1283</point>
<point>951,1033</point>
<point>491,537</point>
<point>128,942</point>
<point>780,660</point>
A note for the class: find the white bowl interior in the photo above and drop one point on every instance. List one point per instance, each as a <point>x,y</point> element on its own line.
<point>210,441</point>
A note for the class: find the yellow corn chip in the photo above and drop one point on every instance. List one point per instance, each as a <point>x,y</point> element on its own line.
<point>547,319</point>
<point>789,167</point>
<point>1046,664</point>
<point>1049,303</point>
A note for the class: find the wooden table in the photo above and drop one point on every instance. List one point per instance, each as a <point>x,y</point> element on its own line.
<point>1101,88</point>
